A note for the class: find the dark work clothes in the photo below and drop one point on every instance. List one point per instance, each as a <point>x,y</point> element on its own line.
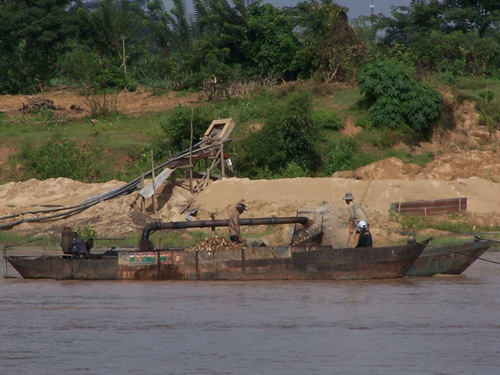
<point>77,247</point>
<point>365,239</point>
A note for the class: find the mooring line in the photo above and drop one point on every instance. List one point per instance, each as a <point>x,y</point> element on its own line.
<point>489,261</point>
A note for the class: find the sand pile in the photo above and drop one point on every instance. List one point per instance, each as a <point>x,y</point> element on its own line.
<point>451,166</point>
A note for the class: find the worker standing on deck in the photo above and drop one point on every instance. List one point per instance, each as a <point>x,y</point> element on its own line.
<point>365,237</point>
<point>234,223</point>
<point>356,214</point>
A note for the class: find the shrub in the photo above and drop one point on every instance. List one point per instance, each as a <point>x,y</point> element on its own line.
<point>381,138</point>
<point>365,121</point>
<point>13,79</point>
<point>154,71</point>
<point>340,158</point>
<point>178,127</point>
<point>95,74</point>
<point>327,120</point>
<point>386,112</point>
<point>293,170</point>
<point>489,110</point>
<point>396,100</point>
<point>257,107</point>
<point>101,105</point>
<point>62,158</point>
<point>86,232</point>
<point>289,135</point>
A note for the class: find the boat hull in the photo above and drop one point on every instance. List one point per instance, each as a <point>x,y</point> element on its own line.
<point>64,268</point>
<point>448,260</point>
<point>261,263</point>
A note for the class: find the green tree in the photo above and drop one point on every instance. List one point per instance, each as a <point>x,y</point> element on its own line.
<point>114,30</point>
<point>330,51</point>
<point>366,30</point>
<point>169,41</point>
<point>453,36</point>
<point>33,35</point>
<point>270,45</point>
<point>411,23</point>
<point>251,40</point>
<point>288,136</point>
<point>219,30</point>
<point>171,30</point>
<point>468,15</point>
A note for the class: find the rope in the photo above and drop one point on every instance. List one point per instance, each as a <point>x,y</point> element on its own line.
<point>489,261</point>
<point>21,243</point>
<point>457,252</point>
<point>468,256</point>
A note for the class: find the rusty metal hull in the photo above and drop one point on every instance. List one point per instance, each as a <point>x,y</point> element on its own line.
<point>63,268</point>
<point>261,263</point>
<point>448,260</point>
<point>357,263</point>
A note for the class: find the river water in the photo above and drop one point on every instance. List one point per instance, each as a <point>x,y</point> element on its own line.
<point>426,325</point>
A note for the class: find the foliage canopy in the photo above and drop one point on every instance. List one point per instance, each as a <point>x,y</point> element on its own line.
<point>285,142</point>
<point>395,99</point>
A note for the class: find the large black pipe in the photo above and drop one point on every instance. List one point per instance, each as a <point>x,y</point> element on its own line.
<point>148,229</point>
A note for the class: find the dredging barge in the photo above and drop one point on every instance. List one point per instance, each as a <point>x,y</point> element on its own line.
<point>304,260</point>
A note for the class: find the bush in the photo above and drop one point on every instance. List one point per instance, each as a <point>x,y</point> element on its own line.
<point>396,100</point>
<point>86,232</point>
<point>13,79</point>
<point>288,136</point>
<point>327,120</point>
<point>489,110</point>
<point>340,158</point>
<point>386,112</point>
<point>154,71</point>
<point>257,107</point>
<point>101,105</point>
<point>365,121</point>
<point>95,74</point>
<point>381,138</point>
<point>178,127</point>
<point>293,170</point>
<point>62,158</point>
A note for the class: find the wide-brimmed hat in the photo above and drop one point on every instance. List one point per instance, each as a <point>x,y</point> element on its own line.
<point>348,197</point>
<point>241,206</point>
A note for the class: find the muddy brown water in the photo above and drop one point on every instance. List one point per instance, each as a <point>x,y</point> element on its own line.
<point>426,325</point>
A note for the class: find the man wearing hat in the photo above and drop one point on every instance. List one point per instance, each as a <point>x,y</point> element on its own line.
<point>365,237</point>
<point>234,223</point>
<point>356,214</point>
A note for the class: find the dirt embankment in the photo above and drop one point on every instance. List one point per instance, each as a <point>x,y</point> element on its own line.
<point>68,104</point>
<point>467,165</point>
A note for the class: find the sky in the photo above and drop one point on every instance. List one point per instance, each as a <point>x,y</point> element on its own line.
<point>356,7</point>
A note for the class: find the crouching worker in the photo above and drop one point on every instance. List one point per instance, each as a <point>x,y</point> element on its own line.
<point>75,246</point>
<point>78,248</point>
<point>364,235</point>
